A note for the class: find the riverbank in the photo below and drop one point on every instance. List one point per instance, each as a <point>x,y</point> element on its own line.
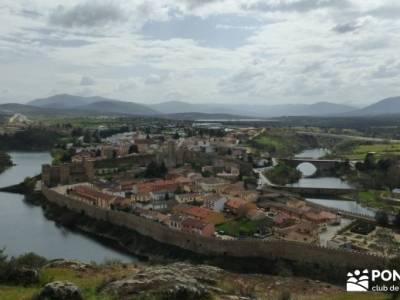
<point>26,187</point>
<point>5,161</point>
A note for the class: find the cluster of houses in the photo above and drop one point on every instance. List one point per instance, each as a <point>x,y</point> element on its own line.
<point>195,199</point>
<point>196,204</point>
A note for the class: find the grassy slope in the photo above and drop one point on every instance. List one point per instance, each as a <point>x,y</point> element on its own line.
<point>359,152</point>
<point>89,281</point>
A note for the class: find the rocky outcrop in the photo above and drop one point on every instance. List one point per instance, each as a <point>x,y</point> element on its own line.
<point>70,264</point>
<point>175,281</point>
<point>60,290</point>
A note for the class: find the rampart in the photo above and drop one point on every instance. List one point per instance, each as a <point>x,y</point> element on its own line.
<point>317,192</point>
<point>274,249</point>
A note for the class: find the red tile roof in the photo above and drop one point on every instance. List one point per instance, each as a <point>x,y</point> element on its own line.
<point>90,193</point>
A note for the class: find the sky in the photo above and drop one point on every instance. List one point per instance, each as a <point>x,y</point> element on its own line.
<point>201,51</point>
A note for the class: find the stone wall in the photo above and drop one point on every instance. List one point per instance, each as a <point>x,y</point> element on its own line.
<point>292,251</point>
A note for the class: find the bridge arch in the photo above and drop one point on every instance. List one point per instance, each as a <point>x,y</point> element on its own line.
<point>307,168</point>
<point>319,164</point>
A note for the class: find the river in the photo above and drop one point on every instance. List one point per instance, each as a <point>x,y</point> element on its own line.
<point>327,182</point>
<point>350,206</point>
<point>24,228</point>
<point>309,169</point>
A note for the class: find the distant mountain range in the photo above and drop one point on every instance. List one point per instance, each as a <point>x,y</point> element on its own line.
<point>386,106</point>
<point>94,104</point>
<point>65,104</point>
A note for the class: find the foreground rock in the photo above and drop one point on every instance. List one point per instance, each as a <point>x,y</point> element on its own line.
<point>175,281</point>
<point>70,264</point>
<point>60,290</point>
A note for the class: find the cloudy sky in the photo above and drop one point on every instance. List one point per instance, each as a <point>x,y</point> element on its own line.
<point>236,51</point>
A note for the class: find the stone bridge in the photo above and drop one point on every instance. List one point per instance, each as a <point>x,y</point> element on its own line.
<point>320,164</point>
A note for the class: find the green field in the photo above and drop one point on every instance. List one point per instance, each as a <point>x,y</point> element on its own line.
<point>279,142</point>
<point>239,227</point>
<point>359,152</point>
<point>372,198</point>
<point>88,283</point>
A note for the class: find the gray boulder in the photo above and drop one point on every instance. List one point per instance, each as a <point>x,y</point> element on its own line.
<point>60,290</point>
<point>175,281</point>
<point>70,264</point>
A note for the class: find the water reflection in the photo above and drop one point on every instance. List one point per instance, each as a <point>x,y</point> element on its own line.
<point>350,206</point>
<point>313,153</point>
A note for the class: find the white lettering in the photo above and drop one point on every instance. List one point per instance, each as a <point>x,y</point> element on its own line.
<point>375,274</point>
<point>386,275</point>
<point>396,275</point>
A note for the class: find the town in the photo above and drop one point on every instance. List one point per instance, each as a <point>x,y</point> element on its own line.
<point>205,179</point>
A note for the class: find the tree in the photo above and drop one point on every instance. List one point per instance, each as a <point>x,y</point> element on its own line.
<point>393,177</point>
<point>382,218</point>
<point>154,170</point>
<point>369,162</point>
<point>163,170</point>
<point>87,137</point>
<point>133,149</point>
<point>397,221</point>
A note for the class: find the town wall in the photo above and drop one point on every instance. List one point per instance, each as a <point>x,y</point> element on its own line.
<point>317,192</point>
<point>278,249</point>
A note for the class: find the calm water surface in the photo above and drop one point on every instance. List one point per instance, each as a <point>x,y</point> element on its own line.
<point>313,153</point>
<point>309,169</point>
<point>23,227</point>
<point>350,206</point>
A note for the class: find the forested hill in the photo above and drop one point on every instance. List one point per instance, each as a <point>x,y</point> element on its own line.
<point>29,139</point>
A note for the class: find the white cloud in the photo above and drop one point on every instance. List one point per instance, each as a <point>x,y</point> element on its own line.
<point>288,51</point>
<point>86,81</point>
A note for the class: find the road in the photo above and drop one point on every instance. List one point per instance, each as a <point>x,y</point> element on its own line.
<point>262,179</point>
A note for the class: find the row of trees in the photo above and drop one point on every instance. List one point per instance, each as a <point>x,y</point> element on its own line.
<point>379,174</point>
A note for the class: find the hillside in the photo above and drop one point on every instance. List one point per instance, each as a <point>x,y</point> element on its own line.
<point>69,104</point>
<point>63,101</point>
<point>12,108</point>
<point>92,104</point>
<point>382,107</point>
<point>118,107</point>
<point>204,116</point>
<point>73,280</point>
<point>316,109</point>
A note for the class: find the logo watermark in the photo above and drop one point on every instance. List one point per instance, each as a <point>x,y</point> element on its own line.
<point>373,281</point>
<point>358,281</point>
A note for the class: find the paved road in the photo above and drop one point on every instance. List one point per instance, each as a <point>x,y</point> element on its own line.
<point>262,180</point>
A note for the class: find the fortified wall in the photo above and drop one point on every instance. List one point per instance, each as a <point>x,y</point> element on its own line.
<point>293,251</point>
